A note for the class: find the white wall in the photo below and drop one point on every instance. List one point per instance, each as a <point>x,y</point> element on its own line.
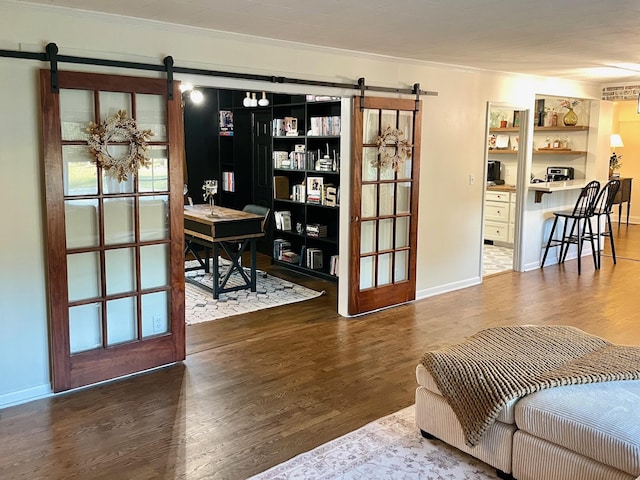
<point>453,143</point>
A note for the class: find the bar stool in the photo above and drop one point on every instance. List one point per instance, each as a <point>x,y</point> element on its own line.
<point>604,206</point>
<point>579,218</point>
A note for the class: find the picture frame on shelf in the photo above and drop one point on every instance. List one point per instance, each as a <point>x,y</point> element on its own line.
<point>516,118</point>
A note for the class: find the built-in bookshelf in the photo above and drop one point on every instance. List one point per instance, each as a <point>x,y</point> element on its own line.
<point>306,175</point>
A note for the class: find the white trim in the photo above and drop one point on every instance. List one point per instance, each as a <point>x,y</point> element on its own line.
<point>26,395</point>
<point>449,287</point>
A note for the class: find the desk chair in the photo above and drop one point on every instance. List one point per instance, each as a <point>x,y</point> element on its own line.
<point>259,210</point>
<point>604,206</point>
<point>579,218</point>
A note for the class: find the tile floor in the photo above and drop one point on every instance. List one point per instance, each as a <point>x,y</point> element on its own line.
<point>496,259</point>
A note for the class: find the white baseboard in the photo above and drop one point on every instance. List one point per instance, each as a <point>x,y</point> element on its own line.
<point>449,287</point>
<point>24,396</point>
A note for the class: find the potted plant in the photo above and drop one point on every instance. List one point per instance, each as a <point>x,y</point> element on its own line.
<point>614,163</point>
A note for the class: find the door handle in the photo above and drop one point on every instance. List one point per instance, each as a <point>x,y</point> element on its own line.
<point>355,219</point>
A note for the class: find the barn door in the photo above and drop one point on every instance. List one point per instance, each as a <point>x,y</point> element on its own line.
<point>384,203</point>
<point>115,258</point>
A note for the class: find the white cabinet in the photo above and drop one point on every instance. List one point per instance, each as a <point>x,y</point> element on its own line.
<point>499,216</point>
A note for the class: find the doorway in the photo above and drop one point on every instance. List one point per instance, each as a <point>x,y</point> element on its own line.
<point>503,172</point>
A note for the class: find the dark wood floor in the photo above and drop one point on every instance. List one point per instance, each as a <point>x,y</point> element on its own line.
<point>258,389</point>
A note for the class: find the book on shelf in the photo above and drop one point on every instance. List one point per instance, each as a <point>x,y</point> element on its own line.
<point>314,258</point>
<point>228,182</point>
<point>225,122</point>
<point>324,126</point>
<point>290,256</point>
<point>280,158</point>
<point>278,127</point>
<point>314,189</point>
<point>280,246</point>
<point>316,230</point>
<point>298,193</point>
<point>282,220</point>
<point>281,187</point>
<point>297,160</point>
<point>334,263</point>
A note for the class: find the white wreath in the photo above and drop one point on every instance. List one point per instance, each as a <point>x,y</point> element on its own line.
<point>393,149</point>
<point>122,130</point>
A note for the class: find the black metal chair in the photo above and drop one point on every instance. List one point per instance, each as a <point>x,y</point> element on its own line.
<point>604,207</point>
<point>579,217</point>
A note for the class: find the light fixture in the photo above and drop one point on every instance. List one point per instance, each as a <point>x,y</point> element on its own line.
<point>615,141</point>
<point>196,96</point>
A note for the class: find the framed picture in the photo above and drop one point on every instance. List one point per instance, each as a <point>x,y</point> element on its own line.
<point>516,118</point>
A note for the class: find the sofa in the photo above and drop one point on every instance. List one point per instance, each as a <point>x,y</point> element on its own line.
<point>586,432</point>
<point>587,429</point>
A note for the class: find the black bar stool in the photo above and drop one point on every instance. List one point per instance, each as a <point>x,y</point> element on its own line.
<point>579,218</point>
<point>604,206</point>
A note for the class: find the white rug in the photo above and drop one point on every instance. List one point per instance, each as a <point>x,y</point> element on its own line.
<point>200,306</point>
<point>389,448</point>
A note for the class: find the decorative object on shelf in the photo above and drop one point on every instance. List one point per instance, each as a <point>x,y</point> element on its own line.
<point>570,118</point>
<point>210,188</point>
<point>251,100</point>
<point>614,160</point>
<point>119,129</point>
<point>246,101</point>
<point>264,101</point>
<point>392,138</point>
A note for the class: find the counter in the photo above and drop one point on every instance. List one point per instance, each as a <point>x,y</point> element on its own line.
<point>501,188</point>
<point>560,186</point>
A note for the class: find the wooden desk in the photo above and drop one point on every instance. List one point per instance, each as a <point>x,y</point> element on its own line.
<point>623,195</point>
<point>226,229</point>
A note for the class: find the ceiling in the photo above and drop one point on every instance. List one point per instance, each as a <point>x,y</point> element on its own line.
<point>591,40</point>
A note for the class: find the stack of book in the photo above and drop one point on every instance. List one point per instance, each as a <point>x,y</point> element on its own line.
<point>281,159</point>
<point>314,189</point>
<point>290,257</point>
<point>280,246</point>
<point>316,230</point>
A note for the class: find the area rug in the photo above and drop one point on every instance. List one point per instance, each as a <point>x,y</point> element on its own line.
<point>389,448</point>
<point>200,306</point>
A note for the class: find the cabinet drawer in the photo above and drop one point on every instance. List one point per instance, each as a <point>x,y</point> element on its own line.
<point>497,196</point>
<point>496,211</point>
<point>496,231</point>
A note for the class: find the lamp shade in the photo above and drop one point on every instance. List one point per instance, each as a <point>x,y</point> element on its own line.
<point>616,141</point>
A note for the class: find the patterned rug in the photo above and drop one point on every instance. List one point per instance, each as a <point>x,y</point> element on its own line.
<point>200,306</point>
<point>389,448</point>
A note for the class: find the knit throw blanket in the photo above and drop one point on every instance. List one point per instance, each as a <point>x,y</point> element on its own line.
<point>480,375</point>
